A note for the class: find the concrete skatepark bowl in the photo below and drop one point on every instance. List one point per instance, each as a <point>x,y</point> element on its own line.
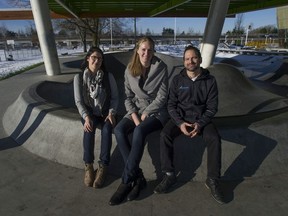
<point>252,122</point>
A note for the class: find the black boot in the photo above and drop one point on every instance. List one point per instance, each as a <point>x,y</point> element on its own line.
<point>167,182</point>
<point>216,192</point>
<point>138,185</point>
<point>120,194</point>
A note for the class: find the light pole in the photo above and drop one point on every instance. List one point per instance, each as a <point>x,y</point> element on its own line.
<point>175,31</point>
<point>266,36</point>
<point>246,40</point>
<point>111,30</point>
<point>226,39</point>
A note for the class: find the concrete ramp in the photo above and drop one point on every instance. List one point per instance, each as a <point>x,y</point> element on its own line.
<point>252,122</point>
<point>280,76</point>
<point>239,97</point>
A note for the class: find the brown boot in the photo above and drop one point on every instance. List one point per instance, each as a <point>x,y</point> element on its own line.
<point>89,175</point>
<point>100,176</point>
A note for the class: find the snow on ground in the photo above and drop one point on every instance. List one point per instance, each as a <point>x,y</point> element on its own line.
<point>21,59</point>
<point>25,58</point>
<point>10,67</point>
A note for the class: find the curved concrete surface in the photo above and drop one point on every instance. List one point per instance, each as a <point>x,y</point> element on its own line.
<point>238,96</point>
<point>252,123</point>
<point>280,75</point>
<point>266,72</point>
<point>231,61</point>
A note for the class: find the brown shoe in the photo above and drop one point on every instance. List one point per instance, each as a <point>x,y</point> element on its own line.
<point>89,175</point>
<point>100,176</point>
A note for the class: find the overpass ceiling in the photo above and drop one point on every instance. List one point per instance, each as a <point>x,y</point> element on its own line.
<point>138,8</point>
<point>154,8</point>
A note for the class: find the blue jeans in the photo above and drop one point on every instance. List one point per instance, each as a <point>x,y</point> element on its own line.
<point>132,153</point>
<point>106,141</point>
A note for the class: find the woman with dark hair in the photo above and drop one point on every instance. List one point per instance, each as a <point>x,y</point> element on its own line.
<point>146,88</point>
<point>96,98</point>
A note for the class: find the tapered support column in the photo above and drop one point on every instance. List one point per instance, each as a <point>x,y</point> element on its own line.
<point>215,21</point>
<point>41,13</point>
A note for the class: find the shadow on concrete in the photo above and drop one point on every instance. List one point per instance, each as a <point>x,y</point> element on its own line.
<point>256,148</point>
<point>116,163</point>
<point>7,143</point>
<point>190,154</point>
<point>73,64</point>
<point>246,107</point>
<point>57,93</point>
<point>279,89</point>
<point>117,65</point>
<point>18,134</point>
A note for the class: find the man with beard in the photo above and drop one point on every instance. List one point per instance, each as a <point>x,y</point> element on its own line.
<point>192,103</point>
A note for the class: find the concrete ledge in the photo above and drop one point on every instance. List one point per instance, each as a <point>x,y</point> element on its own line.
<point>254,145</point>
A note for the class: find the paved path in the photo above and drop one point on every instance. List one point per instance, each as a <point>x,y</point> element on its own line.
<point>30,185</point>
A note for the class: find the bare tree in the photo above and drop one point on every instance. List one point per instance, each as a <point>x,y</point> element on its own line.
<point>20,3</point>
<point>94,27</point>
<point>135,29</point>
<point>190,31</point>
<point>238,27</point>
<point>3,30</point>
<point>84,27</point>
<point>31,30</point>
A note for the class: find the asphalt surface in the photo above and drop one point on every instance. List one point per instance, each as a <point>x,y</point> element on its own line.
<point>31,185</point>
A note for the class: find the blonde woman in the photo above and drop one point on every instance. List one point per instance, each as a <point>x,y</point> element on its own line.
<point>146,89</point>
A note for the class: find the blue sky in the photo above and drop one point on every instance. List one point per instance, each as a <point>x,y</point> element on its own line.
<point>156,25</point>
<point>256,18</point>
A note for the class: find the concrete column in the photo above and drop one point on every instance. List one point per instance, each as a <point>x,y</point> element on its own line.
<point>215,21</point>
<point>41,13</point>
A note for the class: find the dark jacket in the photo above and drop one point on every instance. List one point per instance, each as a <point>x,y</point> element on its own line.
<point>193,101</point>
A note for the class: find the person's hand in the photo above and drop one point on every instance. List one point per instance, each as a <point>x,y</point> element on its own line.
<point>186,128</point>
<point>135,119</point>
<point>143,116</point>
<point>195,131</point>
<point>111,118</point>
<point>190,130</point>
<point>88,125</point>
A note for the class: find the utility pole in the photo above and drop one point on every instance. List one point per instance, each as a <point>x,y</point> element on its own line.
<point>175,30</point>
<point>111,31</point>
<point>246,40</point>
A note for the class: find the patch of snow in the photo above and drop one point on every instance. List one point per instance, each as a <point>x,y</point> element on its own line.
<point>25,58</point>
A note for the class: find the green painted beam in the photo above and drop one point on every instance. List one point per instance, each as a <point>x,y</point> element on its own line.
<point>156,8</point>
<point>248,6</point>
<point>167,6</point>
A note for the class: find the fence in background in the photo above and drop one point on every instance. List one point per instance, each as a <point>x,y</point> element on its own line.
<point>17,54</point>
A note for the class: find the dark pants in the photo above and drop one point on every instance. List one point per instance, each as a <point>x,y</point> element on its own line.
<point>209,134</point>
<point>132,153</point>
<point>106,141</point>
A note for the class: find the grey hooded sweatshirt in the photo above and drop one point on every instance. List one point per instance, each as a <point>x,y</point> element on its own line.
<point>151,96</point>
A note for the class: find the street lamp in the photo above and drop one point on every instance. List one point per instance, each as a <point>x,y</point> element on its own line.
<point>266,36</point>
<point>246,40</point>
<point>111,30</point>
<point>175,30</point>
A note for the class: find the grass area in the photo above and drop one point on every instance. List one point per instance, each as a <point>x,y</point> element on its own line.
<point>21,71</point>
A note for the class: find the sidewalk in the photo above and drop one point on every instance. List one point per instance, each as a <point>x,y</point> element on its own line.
<point>30,185</point>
